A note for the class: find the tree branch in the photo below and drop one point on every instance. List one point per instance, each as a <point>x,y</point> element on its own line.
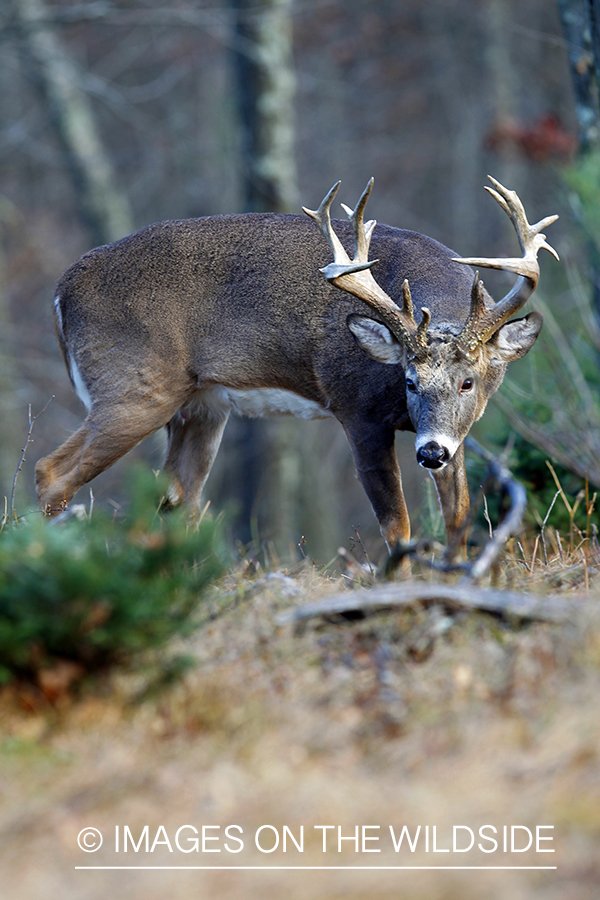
<point>511,604</point>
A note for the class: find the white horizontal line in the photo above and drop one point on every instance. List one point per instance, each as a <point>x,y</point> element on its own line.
<point>317,868</point>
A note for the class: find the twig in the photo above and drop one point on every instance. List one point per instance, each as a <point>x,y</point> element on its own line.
<point>534,554</point>
<point>560,549</point>
<point>545,522</point>
<point>354,569</point>
<point>563,496</point>
<point>362,546</point>
<point>422,551</point>
<point>549,608</point>
<point>486,515</point>
<point>28,440</point>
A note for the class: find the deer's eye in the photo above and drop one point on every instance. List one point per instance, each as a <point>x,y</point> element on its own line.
<point>466,386</point>
<point>411,386</point>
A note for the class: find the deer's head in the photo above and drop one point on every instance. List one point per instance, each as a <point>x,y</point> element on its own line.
<point>452,368</point>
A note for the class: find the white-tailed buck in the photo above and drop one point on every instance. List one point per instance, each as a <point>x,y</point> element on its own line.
<point>185,322</point>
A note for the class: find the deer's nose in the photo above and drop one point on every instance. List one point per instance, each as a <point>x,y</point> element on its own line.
<point>432,455</point>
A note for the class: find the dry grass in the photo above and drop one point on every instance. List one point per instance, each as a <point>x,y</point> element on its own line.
<point>415,717</point>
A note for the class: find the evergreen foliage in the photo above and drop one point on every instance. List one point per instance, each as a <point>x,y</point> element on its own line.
<point>101,590</point>
<point>530,466</point>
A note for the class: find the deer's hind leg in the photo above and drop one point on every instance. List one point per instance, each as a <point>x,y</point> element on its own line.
<point>103,438</point>
<point>194,437</point>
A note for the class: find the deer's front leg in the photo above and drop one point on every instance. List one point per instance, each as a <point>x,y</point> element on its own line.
<point>377,466</point>
<point>453,491</point>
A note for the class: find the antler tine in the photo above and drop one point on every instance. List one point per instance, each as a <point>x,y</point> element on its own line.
<point>362,232</point>
<point>354,275</point>
<point>342,264</point>
<point>514,209</point>
<point>408,312</point>
<point>468,340</point>
<point>529,236</point>
<point>421,335</point>
<point>531,241</point>
<point>407,304</point>
<point>322,217</point>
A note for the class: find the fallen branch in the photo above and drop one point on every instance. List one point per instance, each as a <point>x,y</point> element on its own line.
<point>511,604</point>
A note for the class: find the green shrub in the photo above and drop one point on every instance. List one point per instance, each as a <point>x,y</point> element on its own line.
<point>101,590</point>
<point>529,465</point>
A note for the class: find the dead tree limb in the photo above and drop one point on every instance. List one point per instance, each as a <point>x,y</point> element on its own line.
<point>466,594</point>
<point>511,604</point>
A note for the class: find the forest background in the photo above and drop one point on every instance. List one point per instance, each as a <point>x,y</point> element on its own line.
<point>129,696</point>
<point>116,115</point>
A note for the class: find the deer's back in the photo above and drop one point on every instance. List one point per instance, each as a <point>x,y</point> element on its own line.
<point>240,297</point>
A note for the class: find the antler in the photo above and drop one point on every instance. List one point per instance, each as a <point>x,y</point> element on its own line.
<point>482,323</point>
<point>354,275</point>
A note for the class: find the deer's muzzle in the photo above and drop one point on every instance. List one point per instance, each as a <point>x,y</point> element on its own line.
<point>432,455</point>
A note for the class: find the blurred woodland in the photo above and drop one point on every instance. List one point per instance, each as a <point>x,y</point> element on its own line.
<point>114,115</point>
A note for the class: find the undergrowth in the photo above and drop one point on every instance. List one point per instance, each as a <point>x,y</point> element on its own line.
<point>102,590</point>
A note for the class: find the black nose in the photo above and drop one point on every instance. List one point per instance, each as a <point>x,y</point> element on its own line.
<point>432,456</point>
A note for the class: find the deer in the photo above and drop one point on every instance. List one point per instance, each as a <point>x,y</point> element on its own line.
<point>185,322</point>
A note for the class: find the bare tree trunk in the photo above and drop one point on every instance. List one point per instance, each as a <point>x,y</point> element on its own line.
<point>9,434</point>
<point>102,206</point>
<point>576,20</point>
<point>265,85</point>
<point>594,14</point>
<point>581,26</point>
<point>504,89</point>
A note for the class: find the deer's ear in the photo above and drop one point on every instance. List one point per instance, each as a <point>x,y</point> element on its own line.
<point>375,339</point>
<point>515,339</point>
